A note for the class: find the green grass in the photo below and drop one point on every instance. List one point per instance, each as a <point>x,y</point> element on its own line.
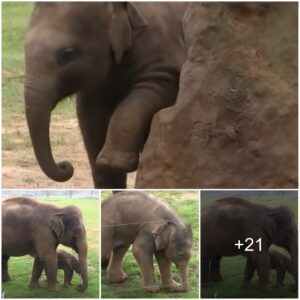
<point>20,267</point>
<point>15,17</point>
<point>232,269</point>
<point>132,287</point>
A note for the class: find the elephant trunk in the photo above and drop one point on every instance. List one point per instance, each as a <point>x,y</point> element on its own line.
<point>183,274</point>
<point>82,262</point>
<point>38,113</point>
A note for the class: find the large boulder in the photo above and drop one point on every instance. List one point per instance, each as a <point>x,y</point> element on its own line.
<point>234,124</point>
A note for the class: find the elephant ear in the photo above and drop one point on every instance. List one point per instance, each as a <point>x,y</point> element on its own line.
<point>57,224</point>
<point>269,226</point>
<point>161,236</point>
<point>125,17</point>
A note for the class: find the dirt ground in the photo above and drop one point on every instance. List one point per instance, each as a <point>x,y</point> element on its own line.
<point>20,168</point>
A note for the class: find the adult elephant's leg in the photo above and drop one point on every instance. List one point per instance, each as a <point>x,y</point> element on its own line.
<point>144,257</point>
<point>164,265</point>
<point>262,260</point>
<point>249,272</point>
<point>93,117</point>
<point>215,269</point>
<point>37,271</point>
<point>5,275</point>
<point>114,270</point>
<point>48,256</point>
<point>280,274</point>
<point>129,127</point>
<point>205,272</point>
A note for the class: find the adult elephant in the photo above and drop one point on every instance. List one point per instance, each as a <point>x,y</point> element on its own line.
<point>121,59</point>
<point>226,221</point>
<point>30,227</point>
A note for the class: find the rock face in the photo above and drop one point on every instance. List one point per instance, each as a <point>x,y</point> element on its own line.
<point>234,124</point>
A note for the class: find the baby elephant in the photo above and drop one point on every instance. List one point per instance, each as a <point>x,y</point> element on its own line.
<point>281,264</point>
<point>152,227</point>
<point>67,262</point>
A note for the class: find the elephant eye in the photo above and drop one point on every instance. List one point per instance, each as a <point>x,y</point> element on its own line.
<point>68,55</point>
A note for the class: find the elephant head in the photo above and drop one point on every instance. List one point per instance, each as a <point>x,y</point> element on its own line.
<point>282,231</point>
<point>69,230</point>
<point>69,49</point>
<point>176,240</point>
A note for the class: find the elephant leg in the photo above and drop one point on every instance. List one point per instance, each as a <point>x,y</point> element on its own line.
<point>5,275</point>
<point>164,265</point>
<point>49,258</point>
<point>106,246</point>
<point>205,272</point>
<point>129,127</point>
<point>93,121</point>
<point>249,272</point>
<point>263,268</point>
<point>280,274</point>
<point>114,270</point>
<point>68,275</point>
<point>215,269</point>
<point>143,256</point>
<point>37,271</point>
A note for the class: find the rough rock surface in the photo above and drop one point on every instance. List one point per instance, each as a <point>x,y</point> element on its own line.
<point>234,124</point>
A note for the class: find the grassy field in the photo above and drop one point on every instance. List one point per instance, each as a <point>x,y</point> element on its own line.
<point>19,166</point>
<point>232,269</point>
<point>186,203</point>
<point>20,267</point>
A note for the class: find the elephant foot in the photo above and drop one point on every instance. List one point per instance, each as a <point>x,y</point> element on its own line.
<point>34,285</point>
<point>152,288</point>
<point>181,289</point>
<point>175,287</point>
<point>170,286</point>
<point>5,278</point>
<point>81,287</point>
<point>53,287</point>
<point>116,160</point>
<point>266,287</point>
<point>117,277</point>
<point>67,284</point>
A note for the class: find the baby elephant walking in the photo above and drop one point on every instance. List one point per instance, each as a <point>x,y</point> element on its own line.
<point>152,227</point>
<point>66,262</point>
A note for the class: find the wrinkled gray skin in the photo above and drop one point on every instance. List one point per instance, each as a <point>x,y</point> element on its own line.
<point>225,221</point>
<point>66,262</point>
<point>155,229</point>
<point>30,227</point>
<point>122,60</point>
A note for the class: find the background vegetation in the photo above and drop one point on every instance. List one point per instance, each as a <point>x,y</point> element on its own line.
<point>187,205</point>
<point>20,267</point>
<point>232,268</point>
